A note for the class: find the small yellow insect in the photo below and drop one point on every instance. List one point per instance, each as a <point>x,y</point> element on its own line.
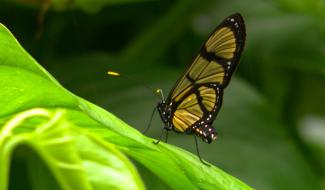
<point>112,73</point>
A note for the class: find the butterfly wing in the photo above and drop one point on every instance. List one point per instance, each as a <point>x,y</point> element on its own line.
<point>196,98</point>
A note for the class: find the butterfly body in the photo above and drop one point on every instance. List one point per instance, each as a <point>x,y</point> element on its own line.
<point>201,128</point>
<point>194,102</point>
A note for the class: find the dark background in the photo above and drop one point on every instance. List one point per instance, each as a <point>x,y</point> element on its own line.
<point>272,124</point>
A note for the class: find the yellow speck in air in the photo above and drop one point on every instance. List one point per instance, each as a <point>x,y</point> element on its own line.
<point>112,73</point>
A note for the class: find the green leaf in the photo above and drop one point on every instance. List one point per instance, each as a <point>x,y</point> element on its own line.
<point>92,159</point>
<point>77,159</point>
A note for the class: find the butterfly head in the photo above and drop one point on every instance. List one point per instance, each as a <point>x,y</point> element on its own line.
<point>165,113</point>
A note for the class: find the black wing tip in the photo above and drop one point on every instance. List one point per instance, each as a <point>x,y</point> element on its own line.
<point>237,18</point>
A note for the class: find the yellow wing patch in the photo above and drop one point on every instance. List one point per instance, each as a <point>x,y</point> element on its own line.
<point>201,71</point>
<point>198,64</point>
<point>208,97</point>
<point>212,73</point>
<point>184,119</point>
<point>222,42</point>
<point>187,113</point>
<point>190,100</point>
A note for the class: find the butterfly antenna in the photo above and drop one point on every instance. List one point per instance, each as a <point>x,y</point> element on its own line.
<point>160,93</point>
<point>198,152</point>
<point>157,92</point>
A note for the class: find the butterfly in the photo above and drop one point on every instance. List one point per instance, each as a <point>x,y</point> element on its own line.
<point>195,100</point>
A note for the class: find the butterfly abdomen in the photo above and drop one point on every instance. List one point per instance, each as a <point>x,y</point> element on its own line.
<point>206,132</point>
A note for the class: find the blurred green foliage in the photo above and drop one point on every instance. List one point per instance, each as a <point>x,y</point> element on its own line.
<point>79,144</point>
<point>279,83</point>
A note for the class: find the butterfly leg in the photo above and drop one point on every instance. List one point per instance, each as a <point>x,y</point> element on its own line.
<point>161,136</point>
<point>166,136</point>
<point>151,117</point>
<point>198,152</point>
